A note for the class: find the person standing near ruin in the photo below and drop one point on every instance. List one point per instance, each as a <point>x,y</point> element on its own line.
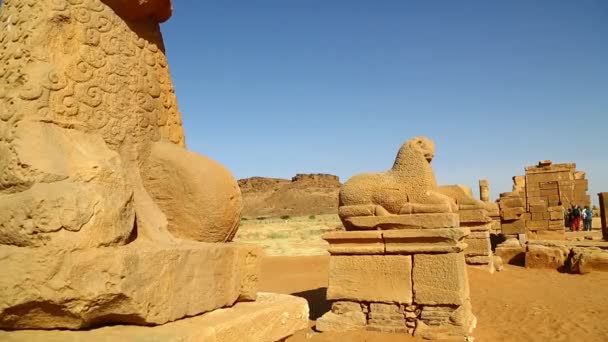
<point>575,219</point>
<point>588,218</point>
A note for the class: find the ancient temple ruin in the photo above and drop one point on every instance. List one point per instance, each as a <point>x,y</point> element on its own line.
<point>400,265</point>
<point>536,205</point>
<point>105,217</point>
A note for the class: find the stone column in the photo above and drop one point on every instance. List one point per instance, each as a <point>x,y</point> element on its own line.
<point>484,190</point>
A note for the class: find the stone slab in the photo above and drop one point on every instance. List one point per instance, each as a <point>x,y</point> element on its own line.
<point>370,278</point>
<point>140,283</point>
<point>512,213</point>
<point>513,227</point>
<point>355,242</point>
<point>513,255</point>
<point>552,257</point>
<point>546,235</point>
<point>410,241</point>
<point>474,215</point>
<point>478,247</point>
<point>587,260</point>
<point>440,279</point>
<point>411,221</point>
<point>272,317</point>
<point>347,321</point>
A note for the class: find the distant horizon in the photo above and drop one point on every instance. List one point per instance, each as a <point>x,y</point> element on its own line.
<point>274,88</point>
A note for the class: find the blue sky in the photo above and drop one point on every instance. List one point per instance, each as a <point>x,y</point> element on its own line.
<point>278,87</point>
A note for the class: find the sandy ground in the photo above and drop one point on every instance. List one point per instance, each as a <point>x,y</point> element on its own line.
<point>516,304</point>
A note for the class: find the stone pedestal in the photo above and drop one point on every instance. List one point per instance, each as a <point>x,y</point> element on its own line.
<point>142,284</point>
<point>272,317</point>
<point>410,280</point>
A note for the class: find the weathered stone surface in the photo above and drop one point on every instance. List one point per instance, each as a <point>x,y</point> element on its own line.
<point>514,227</point>
<point>425,240</point>
<point>159,10</point>
<point>272,317</point>
<point>474,216</point>
<point>83,199</point>
<point>512,213</point>
<point>370,278</point>
<point>478,259</point>
<point>478,247</point>
<point>80,115</point>
<point>135,284</point>
<point>446,323</point>
<point>511,252</point>
<point>87,108</point>
<point>409,187</point>
<point>546,235</point>
<point>538,256</point>
<point>201,199</point>
<point>497,263</point>
<point>587,260</point>
<point>412,221</point>
<point>342,307</point>
<point>479,235</point>
<point>341,322</point>
<point>440,279</point>
<point>484,190</point>
<point>355,242</point>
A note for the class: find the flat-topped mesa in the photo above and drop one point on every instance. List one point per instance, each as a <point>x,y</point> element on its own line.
<point>409,187</point>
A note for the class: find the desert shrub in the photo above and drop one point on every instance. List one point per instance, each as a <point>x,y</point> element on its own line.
<point>243,219</point>
<point>312,217</point>
<point>285,217</point>
<point>260,218</point>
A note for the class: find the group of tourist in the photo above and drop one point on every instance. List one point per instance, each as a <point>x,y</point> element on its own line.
<point>576,215</point>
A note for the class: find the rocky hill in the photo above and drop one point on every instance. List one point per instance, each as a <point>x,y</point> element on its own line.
<point>304,194</point>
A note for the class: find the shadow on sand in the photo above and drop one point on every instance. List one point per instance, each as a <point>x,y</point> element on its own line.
<point>317,301</point>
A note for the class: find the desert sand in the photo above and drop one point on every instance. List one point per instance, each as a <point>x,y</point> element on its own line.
<point>516,304</point>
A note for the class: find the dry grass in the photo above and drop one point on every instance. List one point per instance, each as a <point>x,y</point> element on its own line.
<point>293,236</point>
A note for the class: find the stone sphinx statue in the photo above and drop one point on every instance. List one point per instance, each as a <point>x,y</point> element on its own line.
<point>91,141</point>
<point>98,194</point>
<point>409,187</point>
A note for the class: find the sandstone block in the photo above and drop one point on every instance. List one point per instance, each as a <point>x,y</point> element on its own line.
<point>514,227</point>
<point>479,235</point>
<point>538,256</point>
<point>355,242</point>
<point>513,255</point>
<point>412,221</point>
<point>370,278</point>
<point>133,284</point>
<point>272,317</point>
<point>384,308</point>
<point>478,247</point>
<point>425,240</point>
<point>342,307</point>
<point>537,225</point>
<point>478,259</point>
<point>556,215</point>
<point>440,279</point>
<point>513,202</point>
<point>343,322</point>
<point>475,215</point>
<point>587,260</point>
<point>511,213</point>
